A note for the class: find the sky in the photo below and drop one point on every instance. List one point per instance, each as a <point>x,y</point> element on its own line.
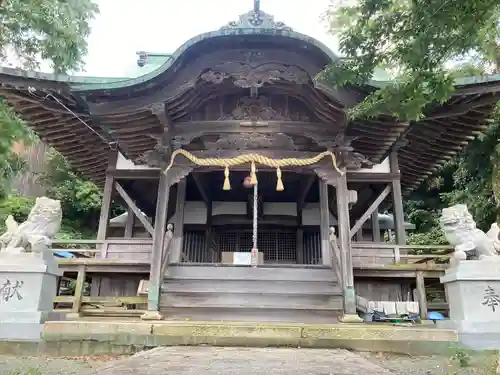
<point>127,26</point>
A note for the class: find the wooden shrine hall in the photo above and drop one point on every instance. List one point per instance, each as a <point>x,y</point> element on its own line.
<point>249,193</point>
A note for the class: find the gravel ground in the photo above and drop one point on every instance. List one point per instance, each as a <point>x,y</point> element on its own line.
<point>10,365</point>
<point>479,364</point>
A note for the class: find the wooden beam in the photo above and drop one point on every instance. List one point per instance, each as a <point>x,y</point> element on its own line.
<point>397,202</point>
<point>421,295</point>
<point>201,188</point>
<point>135,174</point>
<point>160,111</point>
<point>370,177</point>
<point>374,206</point>
<point>326,256</point>
<point>80,284</point>
<point>155,277</point>
<point>304,191</point>
<point>375,226</point>
<point>105,209</point>
<point>106,204</point>
<point>461,109</point>
<point>179,222</point>
<point>345,247</point>
<point>129,224</point>
<point>131,204</point>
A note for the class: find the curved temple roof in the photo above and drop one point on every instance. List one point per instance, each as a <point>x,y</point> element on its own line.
<point>121,110</point>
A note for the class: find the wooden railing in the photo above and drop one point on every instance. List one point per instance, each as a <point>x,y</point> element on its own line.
<point>113,248</point>
<point>369,253</point>
<point>131,249</point>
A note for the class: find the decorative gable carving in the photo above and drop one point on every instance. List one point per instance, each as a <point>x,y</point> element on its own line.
<point>254,109</point>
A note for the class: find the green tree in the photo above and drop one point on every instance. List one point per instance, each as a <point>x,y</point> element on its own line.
<point>33,31</point>
<point>80,198</point>
<point>416,42</point>
<point>418,37</point>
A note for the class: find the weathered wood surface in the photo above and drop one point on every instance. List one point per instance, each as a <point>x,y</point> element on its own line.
<point>120,248</point>
<point>247,293</point>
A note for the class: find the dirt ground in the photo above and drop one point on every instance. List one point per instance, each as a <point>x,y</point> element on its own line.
<point>476,364</point>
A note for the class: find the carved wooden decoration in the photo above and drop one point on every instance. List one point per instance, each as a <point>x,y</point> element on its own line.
<point>253,141</point>
<point>245,75</point>
<point>256,19</point>
<point>254,109</point>
<point>327,174</point>
<point>177,173</point>
<point>341,144</point>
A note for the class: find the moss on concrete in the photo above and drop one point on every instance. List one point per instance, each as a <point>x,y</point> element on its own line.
<point>116,338</point>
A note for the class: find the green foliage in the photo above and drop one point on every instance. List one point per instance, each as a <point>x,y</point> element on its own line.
<point>51,30</point>
<point>462,357</point>
<point>19,207</point>
<point>30,371</point>
<point>12,129</point>
<point>32,31</point>
<point>418,38</point>
<point>80,198</point>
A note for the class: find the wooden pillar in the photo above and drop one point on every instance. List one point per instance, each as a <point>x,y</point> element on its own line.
<point>421,295</point>
<point>155,277</point>
<point>179,222</point>
<point>397,201</point>
<point>375,227</point>
<point>344,235</point>
<point>129,224</point>
<point>102,230</point>
<point>326,254</point>
<point>79,287</point>
<point>105,210</point>
<point>300,237</point>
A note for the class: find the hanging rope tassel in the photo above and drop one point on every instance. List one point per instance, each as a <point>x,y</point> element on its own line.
<point>227,183</point>
<point>253,174</point>
<point>279,182</point>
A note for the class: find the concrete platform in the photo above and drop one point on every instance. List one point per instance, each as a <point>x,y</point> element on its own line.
<point>90,337</point>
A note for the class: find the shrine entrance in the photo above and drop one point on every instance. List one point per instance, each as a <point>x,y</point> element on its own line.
<point>284,226</point>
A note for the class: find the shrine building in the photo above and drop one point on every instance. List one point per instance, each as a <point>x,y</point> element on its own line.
<point>250,195</point>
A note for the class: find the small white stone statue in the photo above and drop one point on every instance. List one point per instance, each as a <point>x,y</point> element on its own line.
<point>34,235</point>
<point>460,230</point>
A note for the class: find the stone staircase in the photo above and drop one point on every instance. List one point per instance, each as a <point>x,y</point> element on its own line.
<point>241,293</point>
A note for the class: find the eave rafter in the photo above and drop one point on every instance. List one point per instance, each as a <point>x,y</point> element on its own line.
<point>439,137</point>
<point>57,126</point>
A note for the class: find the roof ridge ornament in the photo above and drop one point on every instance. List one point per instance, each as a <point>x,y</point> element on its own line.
<point>256,19</point>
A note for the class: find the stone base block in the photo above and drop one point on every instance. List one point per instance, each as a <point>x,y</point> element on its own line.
<point>351,318</point>
<point>475,335</point>
<point>473,290</point>
<point>25,325</point>
<point>28,285</point>
<point>152,315</point>
<point>20,331</point>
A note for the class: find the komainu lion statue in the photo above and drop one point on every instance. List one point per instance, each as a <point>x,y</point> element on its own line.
<point>460,230</point>
<point>34,235</point>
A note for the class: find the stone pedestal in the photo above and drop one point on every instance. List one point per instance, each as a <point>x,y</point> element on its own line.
<point>473,291</point>
<point>28,285</point>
